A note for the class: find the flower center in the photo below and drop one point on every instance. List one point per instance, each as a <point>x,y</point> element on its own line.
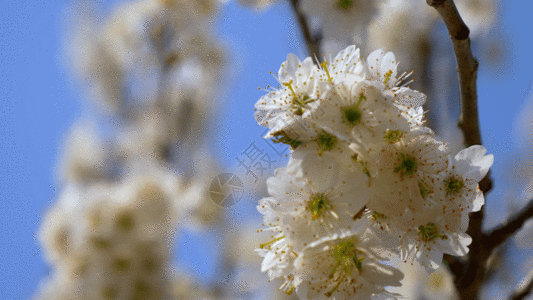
<point>351,115</point>
<point>326,142</point>
<point>392,136</point>
<point>125,221</point>
<point>453,185</point>
<point>298,101</point>
<point>345,256</point>
<point>318,204</point>
<point>429,232</point>
<point>376,216</point>
<point>344,4</point>
<point>407,165</point>
<point>121,264</point>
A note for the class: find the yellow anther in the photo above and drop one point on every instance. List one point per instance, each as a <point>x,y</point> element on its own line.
<point>289,292</point>
<point>387,76</point>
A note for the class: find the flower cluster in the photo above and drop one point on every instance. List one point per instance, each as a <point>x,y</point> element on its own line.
<point>111,241</point>
<point>136,168</point>
<point>366,180</point>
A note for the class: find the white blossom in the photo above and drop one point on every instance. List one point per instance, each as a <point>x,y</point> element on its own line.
<point>460,180</point>
<point>364,175</point>
<point>344,268</point>
<point>296,99</point>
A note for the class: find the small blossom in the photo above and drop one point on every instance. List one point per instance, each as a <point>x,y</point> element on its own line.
<point>344,268</point>
<point>296,99</point>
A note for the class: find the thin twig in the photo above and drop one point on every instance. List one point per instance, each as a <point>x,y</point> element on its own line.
<point>498,235</point>
<point>313,42</point>
<point>468,279</point>
<point>524,289</point>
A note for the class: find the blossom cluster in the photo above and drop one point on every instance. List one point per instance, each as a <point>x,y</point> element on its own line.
<point>366,179</point>
<point>135,169</point>
<point>110,241</point>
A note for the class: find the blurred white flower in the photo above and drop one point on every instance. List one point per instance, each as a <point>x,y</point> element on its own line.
<point>418,284</point>
<point>258,4</point>
<point>341,21</point>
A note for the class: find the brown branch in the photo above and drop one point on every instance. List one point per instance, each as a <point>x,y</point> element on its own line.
<point>524,289</point>
<point>498,235</point>
<point>467,67</point>
<point>313,42</point>
<point>469,278</point>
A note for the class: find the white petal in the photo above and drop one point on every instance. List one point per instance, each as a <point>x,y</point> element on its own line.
<point>389,64</point>
<point>478,201</point>
<point>288,68</point>
<point>474,156</point>
<point>409,98</point>
<point>373,61</point>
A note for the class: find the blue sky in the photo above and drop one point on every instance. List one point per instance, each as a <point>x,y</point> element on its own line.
<point>38,104</point>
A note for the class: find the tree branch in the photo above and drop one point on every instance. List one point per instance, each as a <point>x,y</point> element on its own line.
<point>467,67</point>
<point>498,235</point>
<point>524,288</point>
<point>468,279</point>
<point>313,42</point>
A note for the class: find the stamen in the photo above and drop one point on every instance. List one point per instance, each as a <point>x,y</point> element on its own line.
<point>289,85</point>
<point>387,76</point>
<point>325,66</point>
<point>282,137</point>
<point>361,98</point>
<point>272,241</point>
<point>364,164</point>
<point>404,76</point>
<point>289,292</point>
